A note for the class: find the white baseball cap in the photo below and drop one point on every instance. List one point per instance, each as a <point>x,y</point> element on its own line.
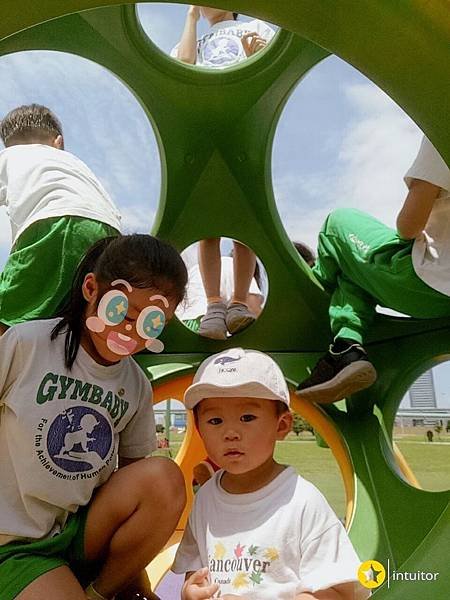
<point>237,372</point>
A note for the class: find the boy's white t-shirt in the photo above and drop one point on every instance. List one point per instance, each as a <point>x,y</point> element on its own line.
<point>271,544</point>
<point>61,431</point>
<point>221,46</point>
<point>431,250</point>
<point>40,182</point>
<point>196,303</point>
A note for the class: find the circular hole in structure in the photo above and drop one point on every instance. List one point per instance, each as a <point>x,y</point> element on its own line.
<point>340,142</point>
<point>221,39</point>
<point>421,431</point>
<point>113,138</point>
<point>227,288</point>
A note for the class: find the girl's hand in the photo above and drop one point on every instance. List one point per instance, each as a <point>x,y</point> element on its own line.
<point>252,43</point>
<point>197,586</point>
<point>194,12</point>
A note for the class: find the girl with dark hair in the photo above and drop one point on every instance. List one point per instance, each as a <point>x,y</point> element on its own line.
<point>74,404</point>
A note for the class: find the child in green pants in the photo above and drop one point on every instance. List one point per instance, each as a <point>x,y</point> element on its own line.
<point>362,262</point>
<point>57,209</point>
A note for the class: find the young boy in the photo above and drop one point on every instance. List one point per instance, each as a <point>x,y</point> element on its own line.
<point>362,263</point>
<point>257,530</point>
<point>57,209</point>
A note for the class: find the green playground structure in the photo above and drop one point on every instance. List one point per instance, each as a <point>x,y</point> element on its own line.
<point>215,131</point>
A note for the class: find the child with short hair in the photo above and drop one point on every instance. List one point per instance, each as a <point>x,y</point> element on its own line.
<point>57,209</point>
<point>73,402</point>
<point>257,530</point>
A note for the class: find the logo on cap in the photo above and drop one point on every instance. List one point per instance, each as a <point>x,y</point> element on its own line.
<point>223,360</point>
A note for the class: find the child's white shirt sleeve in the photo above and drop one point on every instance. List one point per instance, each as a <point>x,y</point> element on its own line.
<point>429,166</point>
<point>188,555</point>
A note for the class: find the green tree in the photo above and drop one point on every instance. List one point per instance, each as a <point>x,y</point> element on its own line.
<point>300,425</point>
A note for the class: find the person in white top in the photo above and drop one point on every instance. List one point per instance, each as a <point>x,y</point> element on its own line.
<point>195,305</point>
<point>257,531</point>
<point>362,262</point>
<point>57,208</point>
<point>227,43</point>
<point>74,406</point>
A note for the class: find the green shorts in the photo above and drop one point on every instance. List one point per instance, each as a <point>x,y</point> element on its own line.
<point>23,562</point>
<point>39,271</point>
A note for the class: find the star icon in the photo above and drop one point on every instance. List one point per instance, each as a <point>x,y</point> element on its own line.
<point>121,308</point>
<point>371,574</point>
<point>157,322</point>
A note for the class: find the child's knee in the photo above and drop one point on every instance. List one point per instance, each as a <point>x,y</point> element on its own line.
<point>163,478</point>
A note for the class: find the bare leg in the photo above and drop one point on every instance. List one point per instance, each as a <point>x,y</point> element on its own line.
<point>213,323</point>
<point>244,262</point>
<point>130,519</point>
<point>210,267</point>
<point>54,585</point>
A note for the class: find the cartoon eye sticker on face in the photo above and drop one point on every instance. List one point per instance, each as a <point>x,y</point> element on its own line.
<point>112,310</point>
<point>149,325</point>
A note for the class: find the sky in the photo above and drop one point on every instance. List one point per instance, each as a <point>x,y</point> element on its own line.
<point>340,141</point>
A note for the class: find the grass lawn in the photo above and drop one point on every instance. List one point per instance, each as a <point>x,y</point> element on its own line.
<point>429,462</point>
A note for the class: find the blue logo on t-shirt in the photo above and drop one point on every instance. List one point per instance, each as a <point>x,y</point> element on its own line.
<point>79,439</point>
<point>221,50</point>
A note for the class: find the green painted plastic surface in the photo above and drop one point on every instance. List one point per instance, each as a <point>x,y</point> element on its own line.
<point>215,132</point>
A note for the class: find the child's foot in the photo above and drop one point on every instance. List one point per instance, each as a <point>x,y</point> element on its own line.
<point>213,323</point>
<point>344,370</point>
<point>238,317</point>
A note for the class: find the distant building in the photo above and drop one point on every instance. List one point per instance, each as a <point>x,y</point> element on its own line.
<point>422,393</point>
<point>419,406</point>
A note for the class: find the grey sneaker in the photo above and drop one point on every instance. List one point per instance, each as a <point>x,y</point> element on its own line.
<point>213,323</point>
<point>238,317</point>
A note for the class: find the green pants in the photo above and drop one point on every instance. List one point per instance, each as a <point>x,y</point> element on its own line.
<point>39,271</point>
<point>361,263</point>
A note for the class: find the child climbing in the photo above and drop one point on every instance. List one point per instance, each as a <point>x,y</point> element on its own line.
<point>57,209</point>
<point>362,263</point>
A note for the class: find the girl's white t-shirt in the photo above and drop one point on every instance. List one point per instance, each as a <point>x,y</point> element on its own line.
<point>431,250</point>
<point>61,431</point>
<point>40,182</point>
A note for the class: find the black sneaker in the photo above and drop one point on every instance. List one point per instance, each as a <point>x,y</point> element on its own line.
<point>338,374</point>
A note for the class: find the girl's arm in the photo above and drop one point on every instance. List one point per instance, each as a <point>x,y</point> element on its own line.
<point>416,209</point>
<point>187,48</point>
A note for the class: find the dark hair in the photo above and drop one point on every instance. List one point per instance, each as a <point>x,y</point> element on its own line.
<point>306,253</point>
<point>30,123</point>
<point>280,409</point>
<point>235,16</point>
<point>142,260</point>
